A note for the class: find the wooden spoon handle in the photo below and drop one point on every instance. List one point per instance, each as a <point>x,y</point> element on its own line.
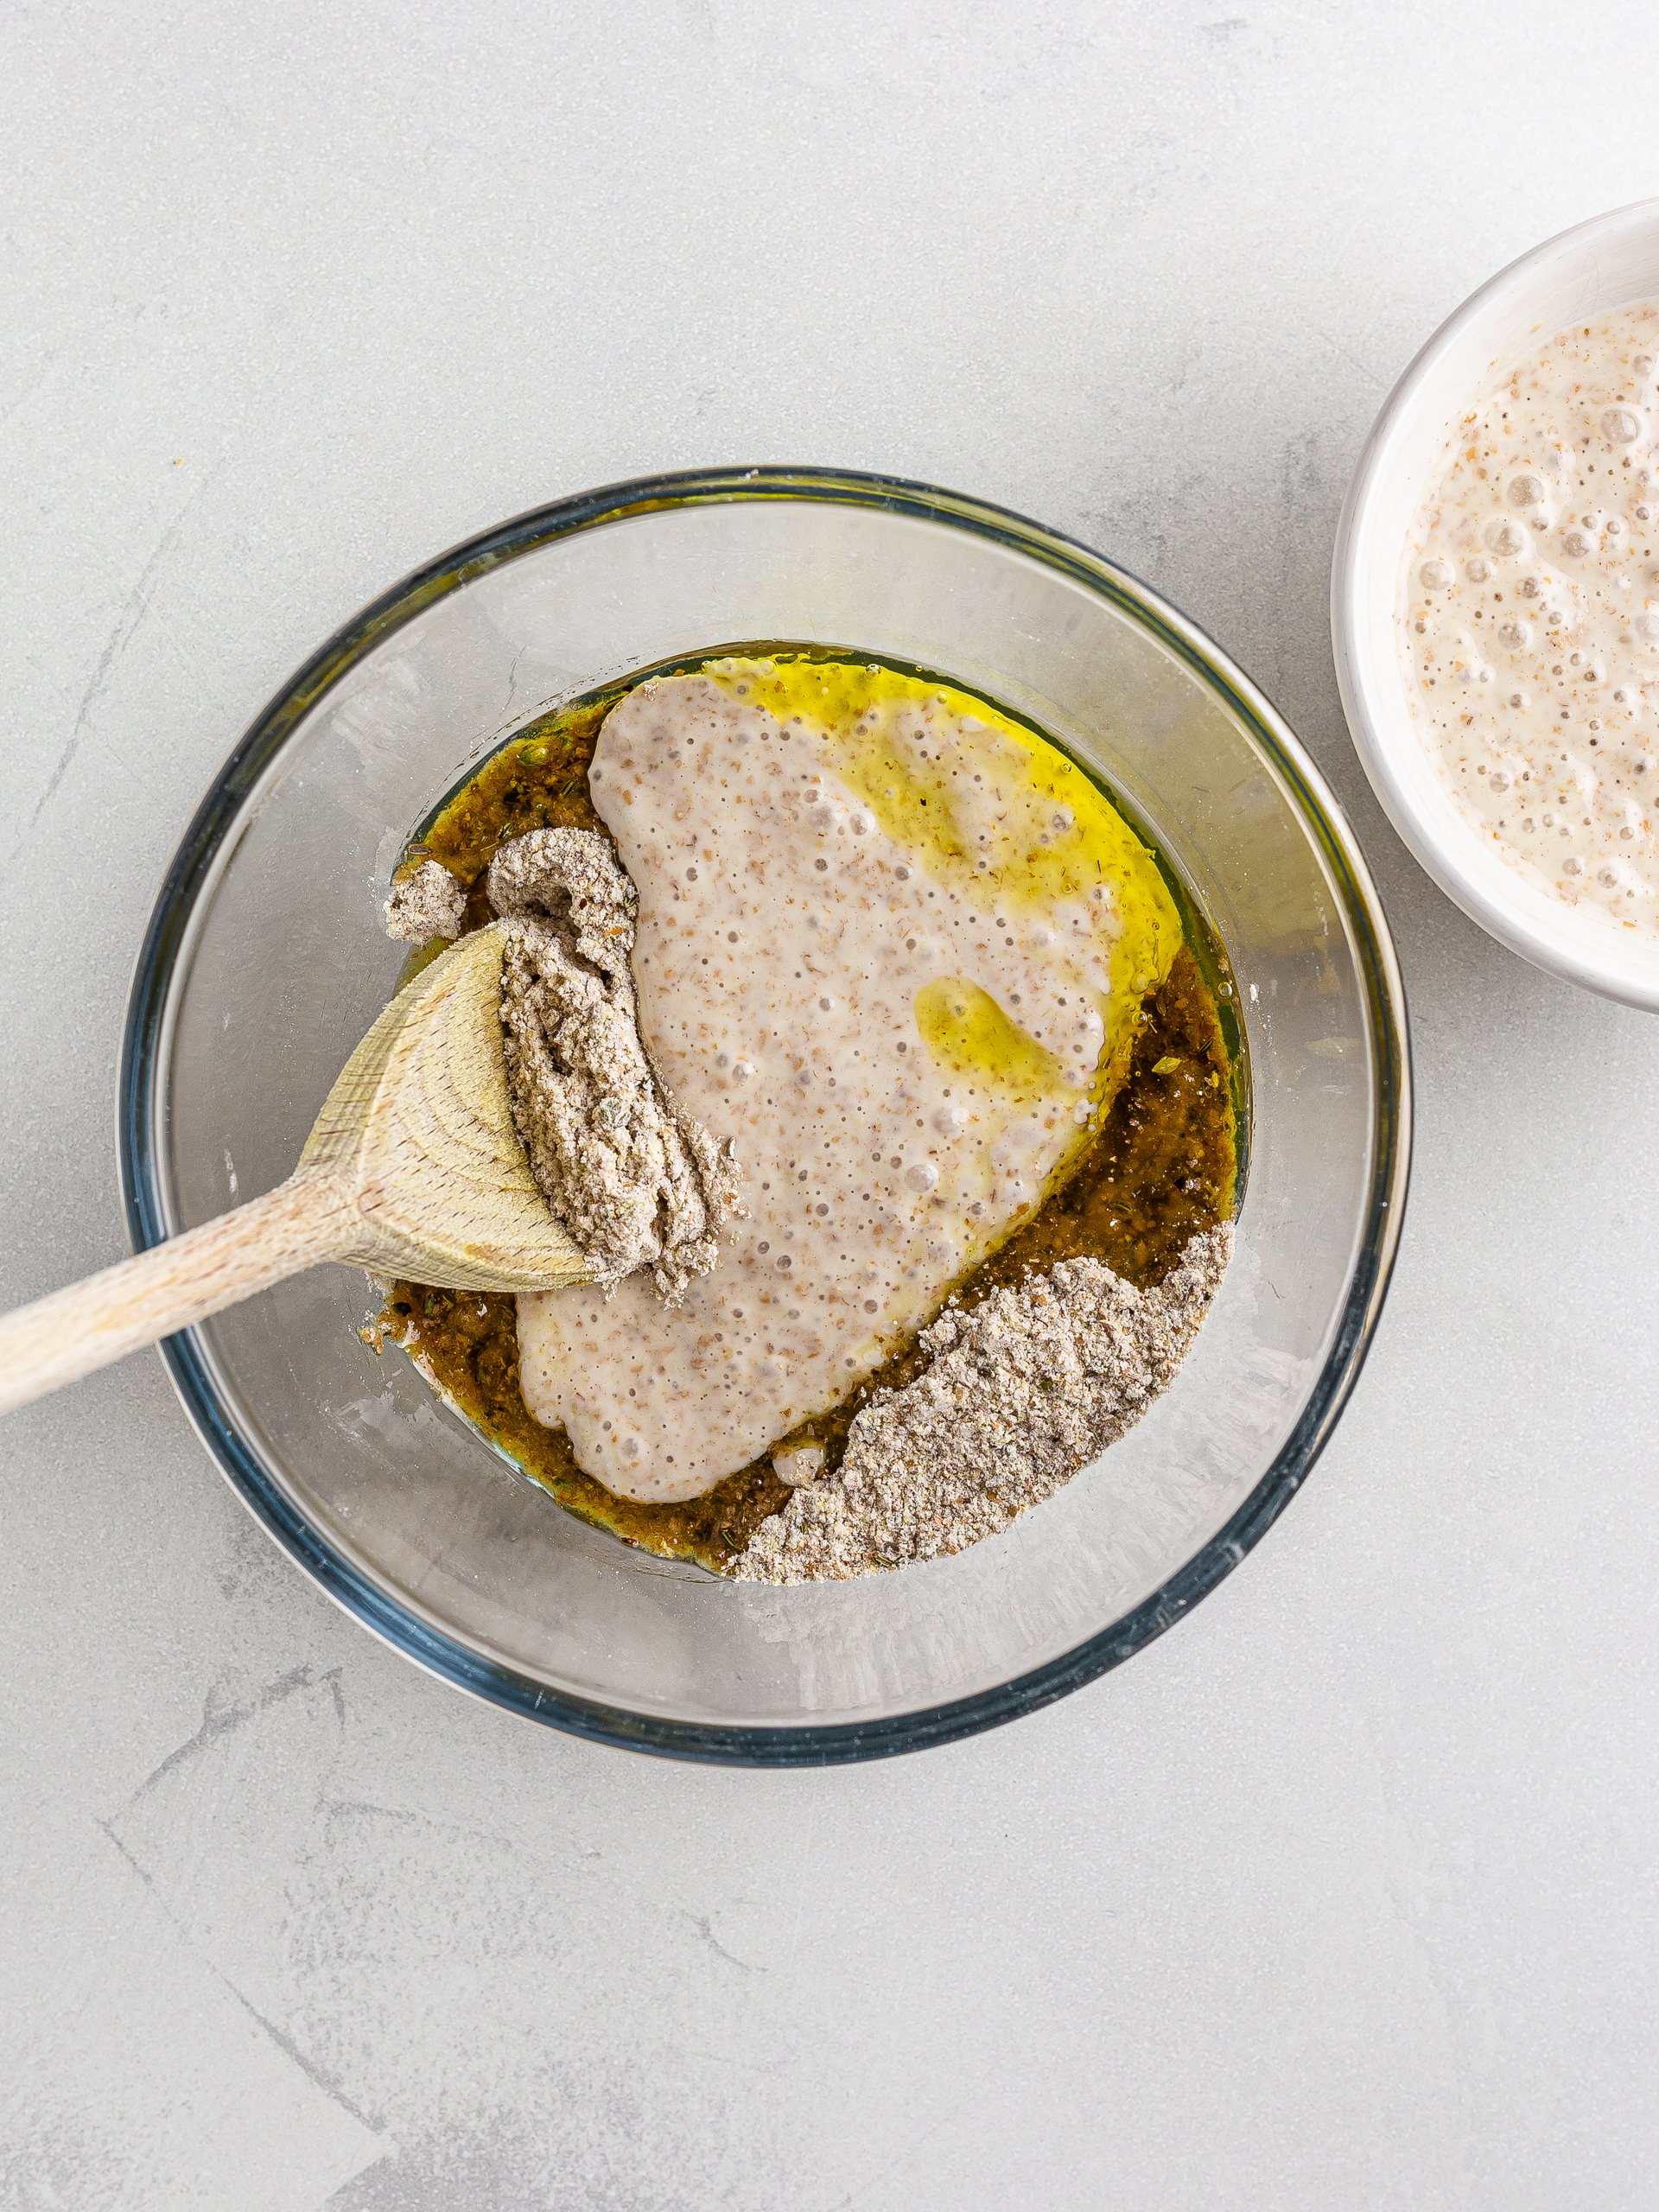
<point>43,1346</point>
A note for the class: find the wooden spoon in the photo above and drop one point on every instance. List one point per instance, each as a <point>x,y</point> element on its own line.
<point>412,1169</point>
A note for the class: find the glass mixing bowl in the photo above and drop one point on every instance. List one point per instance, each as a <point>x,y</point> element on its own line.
<point>265,962</point>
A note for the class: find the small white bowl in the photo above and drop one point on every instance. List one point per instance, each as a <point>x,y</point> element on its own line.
<point>1610,262</point>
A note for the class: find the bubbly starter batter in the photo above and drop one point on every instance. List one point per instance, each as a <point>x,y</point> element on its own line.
<point>1528,617</point>
<point>876,953</point>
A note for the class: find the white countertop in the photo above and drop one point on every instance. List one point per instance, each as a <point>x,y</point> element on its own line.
<point>1339,1895</point>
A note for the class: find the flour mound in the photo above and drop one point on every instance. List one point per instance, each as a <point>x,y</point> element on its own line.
<point>428,904</point>
<point>1022,1392</point>
<point>632,1181</point>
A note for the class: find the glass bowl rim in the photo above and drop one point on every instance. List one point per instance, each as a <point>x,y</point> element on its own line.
<point>806,1743</point>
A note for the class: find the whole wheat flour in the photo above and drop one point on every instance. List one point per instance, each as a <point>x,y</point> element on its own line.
<point>427,904</point>
<point>634,1183</point>
<point>1022,1392</point>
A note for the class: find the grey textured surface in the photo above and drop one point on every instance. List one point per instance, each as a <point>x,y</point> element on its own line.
<point>1340,1896</point>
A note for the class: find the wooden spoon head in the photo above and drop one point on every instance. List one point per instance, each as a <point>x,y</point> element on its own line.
<point>418,1129</point>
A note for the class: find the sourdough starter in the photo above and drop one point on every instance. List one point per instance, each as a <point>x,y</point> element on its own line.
<point>805,984</point>
<point>1528,617</point>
